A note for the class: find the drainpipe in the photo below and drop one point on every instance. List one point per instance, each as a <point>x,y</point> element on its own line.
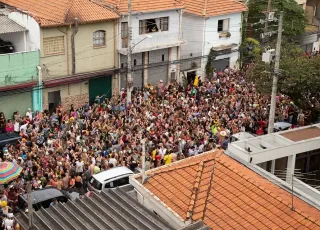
<point>73,51</point>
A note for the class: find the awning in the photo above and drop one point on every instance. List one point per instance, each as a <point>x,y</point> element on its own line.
<point>77,78</point>
<point>18,86</point>
<point>225,47</point>
<point>9,26</point>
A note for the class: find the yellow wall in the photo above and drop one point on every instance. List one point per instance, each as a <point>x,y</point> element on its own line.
<point>88,58</point>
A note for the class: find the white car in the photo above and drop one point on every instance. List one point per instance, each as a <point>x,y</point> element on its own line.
<point>110,178</point>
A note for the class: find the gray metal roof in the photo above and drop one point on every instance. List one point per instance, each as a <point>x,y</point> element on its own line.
<point>9,26</point>
<point>112,210</point>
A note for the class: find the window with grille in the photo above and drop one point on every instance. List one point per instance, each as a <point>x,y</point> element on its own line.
<point>153,25</point>
<point>53,45</point>
<point>99,38</point>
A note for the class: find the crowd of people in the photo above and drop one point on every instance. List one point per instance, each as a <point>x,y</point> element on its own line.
<point>63,149</point>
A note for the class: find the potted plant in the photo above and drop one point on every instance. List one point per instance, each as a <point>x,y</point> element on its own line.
<point>225,34</point>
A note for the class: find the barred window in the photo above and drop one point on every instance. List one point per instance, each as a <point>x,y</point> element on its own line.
<point>53,45</point>
<point>99,38</point>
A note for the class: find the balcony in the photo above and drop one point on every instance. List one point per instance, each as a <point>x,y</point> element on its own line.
<point>18,68</point>
<point>159,40</point>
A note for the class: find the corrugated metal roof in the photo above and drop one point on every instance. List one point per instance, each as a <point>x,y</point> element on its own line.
<point>9,26</point>
<point>114,210</point>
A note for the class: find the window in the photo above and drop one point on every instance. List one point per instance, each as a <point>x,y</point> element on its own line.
<point>223,25</point>
<point>124,34</point>
<point>135,62</point>
<point>162,57</point>
<point>99,38</point>
<point>153,25</point>
<point>53,45</point>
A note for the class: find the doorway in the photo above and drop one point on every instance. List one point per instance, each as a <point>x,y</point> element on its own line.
<point>54,100</point>
<point>191,76</point>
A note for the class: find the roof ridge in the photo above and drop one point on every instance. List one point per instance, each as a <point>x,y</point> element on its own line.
<point>71,2</point>
<point>180,167</point>
<point>195,190</point>
<point>269,192</point>
<point>204,11</point>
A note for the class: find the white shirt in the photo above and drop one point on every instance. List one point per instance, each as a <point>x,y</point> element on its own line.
<point>79,166</point>
<point>113,161</point>
<point>29,114</point>
<point>16,127</point>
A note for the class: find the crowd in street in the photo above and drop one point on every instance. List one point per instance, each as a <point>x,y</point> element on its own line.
<point>63,149</point>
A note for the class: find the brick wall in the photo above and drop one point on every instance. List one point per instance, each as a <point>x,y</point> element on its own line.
<point>76,100</point>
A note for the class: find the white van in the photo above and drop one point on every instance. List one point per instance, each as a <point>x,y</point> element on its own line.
<point>110,178</point>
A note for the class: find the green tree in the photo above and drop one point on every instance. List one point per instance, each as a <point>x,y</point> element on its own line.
<point>294,22</point>
<point>299,76</point>
<point>209,65</point>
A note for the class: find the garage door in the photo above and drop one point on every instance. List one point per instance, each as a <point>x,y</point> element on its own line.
<point>100,86</point>
<point>221,64</point>
<point>158,66</point>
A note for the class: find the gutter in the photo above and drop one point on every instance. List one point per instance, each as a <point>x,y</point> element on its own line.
<point>73,48</point>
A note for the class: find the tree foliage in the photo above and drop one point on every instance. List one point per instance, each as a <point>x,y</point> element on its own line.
<point>209,65</point>
<point>299,76</point>
<point>294,22</point>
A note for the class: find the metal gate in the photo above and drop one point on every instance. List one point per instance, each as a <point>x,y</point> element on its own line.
<point>101,86</point>
<point>158,66</point>
<point>221,64</point>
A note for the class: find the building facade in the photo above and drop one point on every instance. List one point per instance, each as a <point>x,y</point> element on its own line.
<point>156,40</point>
<point>19,63</point>
<point>215,25</point>
<point>76,45</point>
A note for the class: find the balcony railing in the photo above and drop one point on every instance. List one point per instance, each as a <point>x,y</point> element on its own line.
<point>16,68</point>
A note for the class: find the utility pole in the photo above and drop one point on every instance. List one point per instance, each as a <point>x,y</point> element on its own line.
<point>143,160</point>
<point>129,55</point>
<point>275,77</point>
<point>30,208</point>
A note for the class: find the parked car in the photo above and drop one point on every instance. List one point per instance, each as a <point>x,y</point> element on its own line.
<point>42,198</point>
<point>110,178</point>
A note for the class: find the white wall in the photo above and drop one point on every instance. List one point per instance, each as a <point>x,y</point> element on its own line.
<point>192,32</point>
<point>17,39</point>
<point>212,38</point>
<point>159,40</point>
<point>33,33</point>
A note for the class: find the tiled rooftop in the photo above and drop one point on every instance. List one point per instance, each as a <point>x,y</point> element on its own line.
<point>226,195</point>
<point>213,7</point>
<point>144,5</point>
<point>302,134</point>
<point>59,12</point>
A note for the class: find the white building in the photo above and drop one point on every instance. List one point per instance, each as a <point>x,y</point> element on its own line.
<point>293,156</point>
<point>211,24</point>
<point>156,39</point>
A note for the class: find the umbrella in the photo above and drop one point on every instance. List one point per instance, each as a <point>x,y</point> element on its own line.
<point>9,171</point>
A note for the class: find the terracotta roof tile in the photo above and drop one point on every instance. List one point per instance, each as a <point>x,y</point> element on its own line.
<point>228,195</point>
<point>213,7</point>
<point>60,12</point>
<point>144,5</point>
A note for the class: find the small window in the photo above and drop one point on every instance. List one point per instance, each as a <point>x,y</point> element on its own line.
<point>223,25</point>
<point>53,45</point>
<point>164,24</point>
<point>99,38</point>
<point>122,65</point>
<point>162,57</point>
<point>135,62</point>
